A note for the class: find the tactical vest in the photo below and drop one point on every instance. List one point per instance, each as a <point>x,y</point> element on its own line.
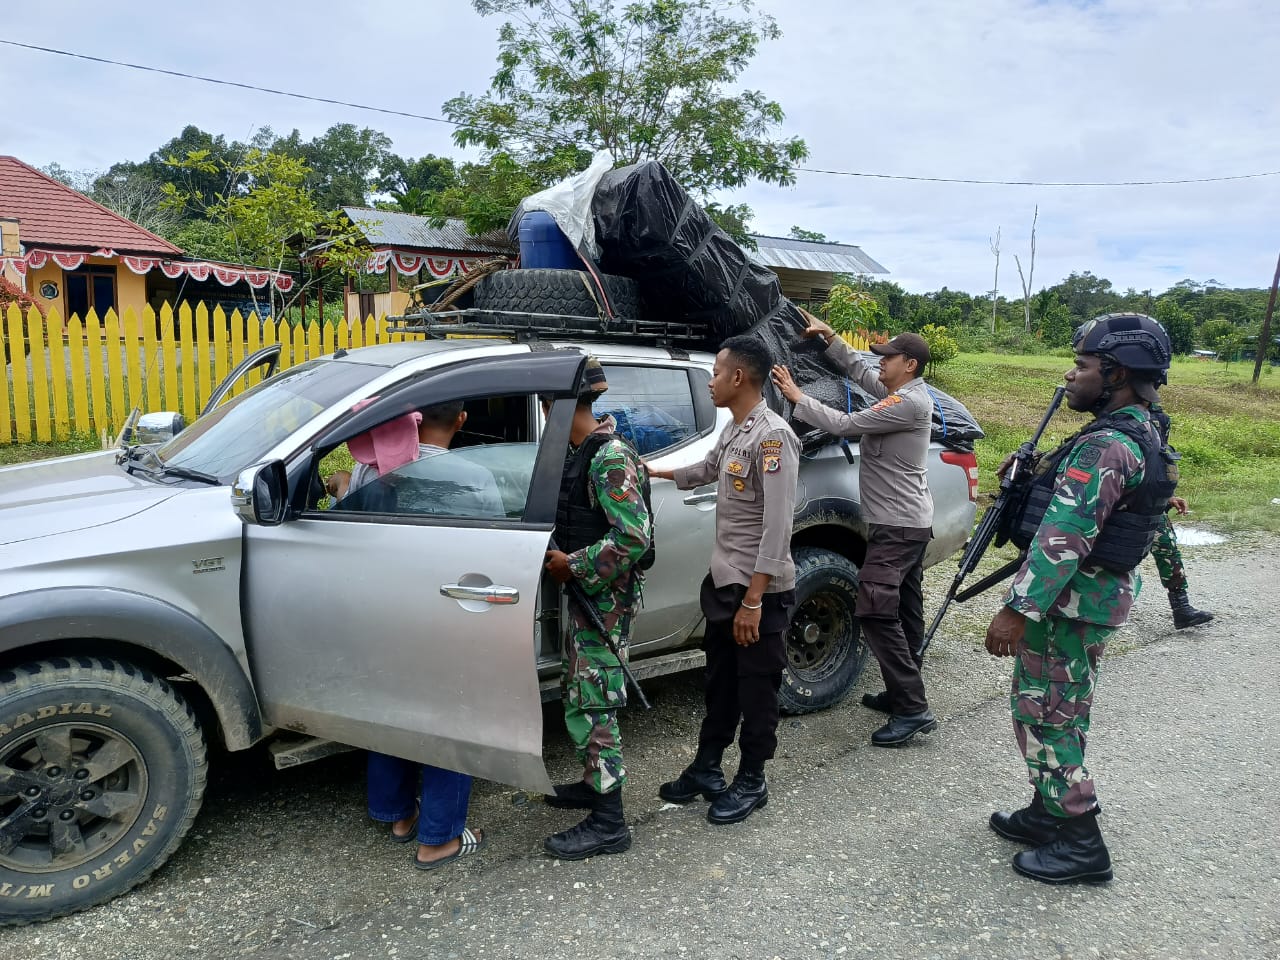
<point>579,523</point>
<point>1130,530</point>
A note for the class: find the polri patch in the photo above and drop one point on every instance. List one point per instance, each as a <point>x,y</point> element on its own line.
<point>734,467</point>
<point>1075,473</point>
<point>888,401</point>
<point>767,445</point>
<point>739,484</point>
<point>772,463</point>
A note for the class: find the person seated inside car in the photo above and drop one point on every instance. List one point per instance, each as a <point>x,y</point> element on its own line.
<point>431,481</point>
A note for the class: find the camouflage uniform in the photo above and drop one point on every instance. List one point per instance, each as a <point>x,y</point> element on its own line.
<point>1168,557</point>
<point>1072,608</point>
<point>592,681</point>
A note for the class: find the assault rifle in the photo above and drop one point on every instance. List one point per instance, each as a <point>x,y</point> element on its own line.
<point>573,590</point>
<point>989,526</point>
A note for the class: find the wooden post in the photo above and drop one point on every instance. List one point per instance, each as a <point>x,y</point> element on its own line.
<point>1264,336</point>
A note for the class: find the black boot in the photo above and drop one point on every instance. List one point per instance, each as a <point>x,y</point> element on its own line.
<point>572,796</point>
<point>1076,855</point>
<point>703,776</point>
<point>881,701</point>
<point>902,727</point>
<point>604,831</point>
<point>747,792</point>
<point>1032,824</point>
<point>1184,614</point>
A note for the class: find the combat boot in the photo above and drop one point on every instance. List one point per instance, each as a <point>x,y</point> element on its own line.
<point>1075,855</point>
<point>1032,824</point>
<point>1184,614</point>
<point>572,796</point>
<point>702,777</point>
<point>747,792</point>
<point>604,831</point>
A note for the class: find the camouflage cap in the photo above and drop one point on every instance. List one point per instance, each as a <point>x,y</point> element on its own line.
<point>593,379</point>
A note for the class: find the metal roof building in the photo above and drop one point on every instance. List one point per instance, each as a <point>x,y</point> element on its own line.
<point>808,268</point>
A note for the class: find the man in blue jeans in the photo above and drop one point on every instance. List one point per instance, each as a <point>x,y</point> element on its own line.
<point>424,802</point>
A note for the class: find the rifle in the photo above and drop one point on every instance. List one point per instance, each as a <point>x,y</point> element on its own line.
<point>573,590</point>
<point>990,524</point>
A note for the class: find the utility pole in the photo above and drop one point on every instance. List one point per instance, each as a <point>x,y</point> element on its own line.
<point>1264,336</point>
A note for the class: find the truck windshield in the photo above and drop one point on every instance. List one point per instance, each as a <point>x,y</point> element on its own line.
<point>241,431</point>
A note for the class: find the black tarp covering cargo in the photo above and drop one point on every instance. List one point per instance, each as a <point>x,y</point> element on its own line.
<point>693,272</point>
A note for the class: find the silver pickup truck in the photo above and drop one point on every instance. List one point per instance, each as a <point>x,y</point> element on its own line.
<point>197,586</point>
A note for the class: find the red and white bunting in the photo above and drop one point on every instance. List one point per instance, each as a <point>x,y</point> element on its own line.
<point>141,265</point>
<point>69,261</point>
<point>198,270</point>
<point>407,263</point>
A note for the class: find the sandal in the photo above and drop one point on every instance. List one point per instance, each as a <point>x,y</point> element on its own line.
<point>471,842</point>
<point>412,833</point>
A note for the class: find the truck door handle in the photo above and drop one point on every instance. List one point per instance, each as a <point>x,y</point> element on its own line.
<point>493,593</point>
<point>697,498</point>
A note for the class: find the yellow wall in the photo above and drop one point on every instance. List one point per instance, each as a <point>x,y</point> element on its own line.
<point>131,289</point>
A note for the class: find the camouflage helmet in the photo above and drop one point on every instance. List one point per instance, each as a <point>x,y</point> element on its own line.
<point>1132,340</point>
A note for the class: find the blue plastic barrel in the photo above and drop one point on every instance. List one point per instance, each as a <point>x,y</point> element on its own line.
<point>543,244</point>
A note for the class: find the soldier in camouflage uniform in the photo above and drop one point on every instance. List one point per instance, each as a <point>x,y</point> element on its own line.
<point>1064,604</point>
<point>604,528</point>
<point>1168,558</point>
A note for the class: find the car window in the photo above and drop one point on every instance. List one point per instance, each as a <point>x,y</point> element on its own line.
<point>488,482</point>
<point>653,405</point>
<point>241,431</point>
<point>484,474</point>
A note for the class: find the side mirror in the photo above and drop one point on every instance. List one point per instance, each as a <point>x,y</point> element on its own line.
<point>158,428</point>
<point>260,494</point>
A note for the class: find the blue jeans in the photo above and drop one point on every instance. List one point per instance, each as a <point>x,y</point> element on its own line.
<point>394,785</point>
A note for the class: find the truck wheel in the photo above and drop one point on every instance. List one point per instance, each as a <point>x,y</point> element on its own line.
<point>563,293</point>
<point>102,768</point>
<point>825,651</point>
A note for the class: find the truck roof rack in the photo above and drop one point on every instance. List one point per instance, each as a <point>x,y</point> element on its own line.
<point>533,326</point>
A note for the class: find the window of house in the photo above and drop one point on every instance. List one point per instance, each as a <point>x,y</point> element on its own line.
<point>91,287</point>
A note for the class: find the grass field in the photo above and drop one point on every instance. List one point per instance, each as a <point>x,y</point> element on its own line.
<point>1227,430</point>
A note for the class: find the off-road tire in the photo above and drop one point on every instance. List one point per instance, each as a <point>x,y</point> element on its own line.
<point>825,650</point>
<point>102,759</point>
<point>563,293</point>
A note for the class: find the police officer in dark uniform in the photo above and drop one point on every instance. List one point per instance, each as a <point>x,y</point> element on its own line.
<point>749,594</point>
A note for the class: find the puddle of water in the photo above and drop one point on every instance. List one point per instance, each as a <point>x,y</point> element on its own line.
<point>1195,537</point>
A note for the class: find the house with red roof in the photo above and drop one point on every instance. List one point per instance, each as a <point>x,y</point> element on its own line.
<point>72,254</point>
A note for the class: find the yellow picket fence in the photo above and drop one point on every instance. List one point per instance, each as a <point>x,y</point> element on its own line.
<point>84,376</point>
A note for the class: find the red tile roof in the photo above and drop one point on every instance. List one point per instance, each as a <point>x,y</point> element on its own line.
<point>51,213</point>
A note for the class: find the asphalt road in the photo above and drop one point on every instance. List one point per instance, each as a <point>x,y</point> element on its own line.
<point>861,852</point>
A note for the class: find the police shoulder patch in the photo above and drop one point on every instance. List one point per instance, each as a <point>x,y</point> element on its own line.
<point>772,463</point>
<point>767,445</point>
<point>888,401</point>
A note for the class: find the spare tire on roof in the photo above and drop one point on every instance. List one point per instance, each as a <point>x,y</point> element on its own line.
<point>562,293</point>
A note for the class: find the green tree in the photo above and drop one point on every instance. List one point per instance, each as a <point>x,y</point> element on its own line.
<point>643,80</point>
<point>852,310</point>
<point>1177,323</point>
<point>942,346</point>
<point>800,233</point>
<point>266,214</point>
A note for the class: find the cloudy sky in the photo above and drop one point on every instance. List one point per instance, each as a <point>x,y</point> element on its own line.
<point>1056,90</point>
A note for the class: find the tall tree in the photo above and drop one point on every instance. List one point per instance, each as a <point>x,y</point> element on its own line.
<point>643,80</point>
